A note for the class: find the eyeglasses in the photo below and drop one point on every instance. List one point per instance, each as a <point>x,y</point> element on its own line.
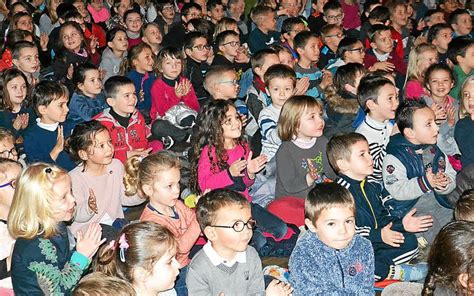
<point>12,184</point>
<point>201,47</point>
<point>235,82</point>
<point>11,152</point>
<point>170,7</point>
<point>359,49</point>
<point>232,43</point>
<point>238,226</point>
<point>338,35</point>
<point>194,15</point>
<point>335,17</point>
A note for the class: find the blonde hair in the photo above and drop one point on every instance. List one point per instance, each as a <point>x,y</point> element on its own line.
<point>291,113</point>
<point>414,59</point>
<point>31,212</point>
<point>224,25</point>
<point>142,171</point>
<point>462,110</point>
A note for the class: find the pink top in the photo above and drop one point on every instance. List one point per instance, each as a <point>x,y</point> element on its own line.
<point>414,90</point>
<point>209,179</point>
<point>99,16</point>
<point>351,15</point>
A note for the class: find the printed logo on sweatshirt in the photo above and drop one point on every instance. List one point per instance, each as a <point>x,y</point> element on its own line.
<point>356,268</point>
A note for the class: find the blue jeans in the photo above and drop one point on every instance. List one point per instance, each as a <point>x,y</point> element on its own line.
<point>266,222</point>
<point>180,285</point>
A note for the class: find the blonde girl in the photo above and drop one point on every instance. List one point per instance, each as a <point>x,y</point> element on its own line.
<point>157,177</point>
<point>97,181</point>
<point>420,58</point>
<point>144,255</point>
<point>465,126</point>
<point>43,263</point>
<point>49,19</point>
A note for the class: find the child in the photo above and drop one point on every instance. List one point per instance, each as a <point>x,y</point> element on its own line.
<point>341,97</point>
<point>416,172</point>
<point>316,19</point>
<point>144,255</point>
<point>399,27</point>
<point>139,68</point>
<point>175,35</point>
<point>152,36</point>
<point>157,178</point>
<point>125,123</point>
<point>460,52</point>
<point>197,52</point>
<point>349,50</point>
<point>440,35</point>
<point>97,181</point>
<point>285,55</point>
<point>228,44</point>
<point>226,264</point>
<point>42,262</point>
<point>118,9</point>
<point>221,83</point>
<point>14,114</point>
<point>420,58</point>
<point>7,145</point>
<point>391,237</point>
<point>450,261</point>
<point>331,36</point>
<point>264,34</point>
<point>333,13</point>
<point>26,59</point>
<point>100,284</point>
<point>331,247</point>
<point>301,159</point>
<point>307,46</point>
<point>174,104</point>
<point>44,141</point>
<point>117,44</point>
<point>87,101</point>
<point>133,22</point>
<point>461,22</point>
<point>463,129</point>
<point>464,209</point>
<point>215,11</point>
<point>289,29</point>
<point>98,11</point>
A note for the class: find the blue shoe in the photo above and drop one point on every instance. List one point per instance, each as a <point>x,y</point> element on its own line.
<point>414,272</point>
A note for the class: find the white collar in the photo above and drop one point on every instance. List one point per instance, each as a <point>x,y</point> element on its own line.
<point>381,57</point>
<point>49,127</point>
<point>375,123</point>
<point>303,144</point>
<point>216,259</point>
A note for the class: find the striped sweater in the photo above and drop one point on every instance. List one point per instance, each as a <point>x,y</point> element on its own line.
<point>268,122</point>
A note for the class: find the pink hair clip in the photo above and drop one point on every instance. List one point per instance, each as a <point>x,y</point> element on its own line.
<point>123,245</point>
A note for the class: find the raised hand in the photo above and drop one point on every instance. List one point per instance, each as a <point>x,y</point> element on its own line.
<point>89,242</point>
<point>44,39</point>
<point>416,224</point>
<point>59,147</point>
<point>236,169</point>
<point>327,79</point>
<point>440,112</point>
<point>386,66</point>
<point>255,165</point>
<point>391,237</point>
<point>141,152</point>
<point>302,86</point>
<point>451,115</point>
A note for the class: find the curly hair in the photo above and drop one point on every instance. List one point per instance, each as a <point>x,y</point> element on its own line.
<point>211,134</point>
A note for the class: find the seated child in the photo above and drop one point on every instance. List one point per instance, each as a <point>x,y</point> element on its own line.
<point>228,47</point>
<point>26,59</point>
<point>331,36</point>
<point>460,54</point>
<point>349,50</point>
<point>421,57</point>
<point>316,20</point>
<point>289,29</point>
<point>463,128</point>
<point>123,121</point>
<point>461,22</point>
<point>329,257</point>
<point>416,173</point>
<point>227,264</point>
<point>306,45</point>
<point>264,33</point>
<point>215,11</point>
<point>378,97</point>
<point>116,50</point>
<point>133,23</point>
<point>221,83</point>
<point>464,209</point>
<point>44,141</point>
<point>440,35</point>
<point>152,36</point>
<point>392,238</point>
<point>197,52</point>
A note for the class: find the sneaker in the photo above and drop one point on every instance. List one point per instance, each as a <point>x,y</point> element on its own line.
<point>167,141</point>
<point>414,272</point>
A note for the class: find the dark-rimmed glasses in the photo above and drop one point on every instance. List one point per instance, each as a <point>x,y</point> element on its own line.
<point>239,226</point>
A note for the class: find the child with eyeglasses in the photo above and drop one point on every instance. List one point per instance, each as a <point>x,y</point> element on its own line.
<point>197,53</point>
<point>331,36</point>
<point>229,46</point>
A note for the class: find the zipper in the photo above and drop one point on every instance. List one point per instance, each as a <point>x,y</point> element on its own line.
<point>368,202</point>
<point>342,270</point>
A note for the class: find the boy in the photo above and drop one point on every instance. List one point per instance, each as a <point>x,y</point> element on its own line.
<point>175,35</point>
<point>288,8</point>
<point>461,22</point>
<point>290,28</point>
<point>227,265</point>
<point>307,46</point>
<point>464,209</point>
<point>329,259</point>
<point>215,11</point>
<point>44,141</point>
<point>221,83</point>
<point>26,59</point>
<point>124,122</point>
<point>391,237</point>
<point>349,50</point>
<point>228,44</point>
<point>333,13</point>
<point>280,81</point>
<point>378,98</point>
<point>416,173</point>
<point>440,35</point>
<point>264,34</point>
<point>197,50</point>
<point>331,36</point>
<point>460,53</point>
<point>316,20</point>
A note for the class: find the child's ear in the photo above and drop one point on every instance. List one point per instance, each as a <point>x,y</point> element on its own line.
<point>325,19</point>
<point>110,102</point>
<point>463,279</point>
<point>258,71</point>
<point>310,225</point>
<point>373,45</point>
<point>15,62</point>
<point>42,109</point>
<point>370,104</point>
<point>187,51</point>
<point>221,48</point>
<point>350,88</point>
<point>147,189</point>
<point>210,233</point>
<point>83,155</point>
<point>408,133</point>
<point>342,164</point>
<point>144,39</point>
<point>300,51</point>
<point>140,274</point>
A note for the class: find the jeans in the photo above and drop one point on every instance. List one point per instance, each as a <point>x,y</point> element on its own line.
<point>266,222</point>
<point>180,285</point>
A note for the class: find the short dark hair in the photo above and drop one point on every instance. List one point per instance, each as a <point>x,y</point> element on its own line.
<point>288,24</point>
<point>79,74</point>
<point>380,14</point>
<point>405,113</point>
<point>464,209</point>
<point>453,17</point>
<point>113,84</point>
<point>211,4</point>
<point>130,11</point>
<point>325,196</point>
<point>17,47</point>
<point>112,32</point>
<point>279,71</point>
<point>46,92</point>
<point>209,204</point>
<point>438,67</point>
<point>376,29</point>
<point>435,29</point>
<point>258,59</point>
<point>302,38</point>
<point>345,45</point>
<point>331,5</point>
<point>369,88</point>
<point>340,148</point>
<point>458,47</point>
<point>188,6</point>
<point>220,38</point>
<point>346,74</point>
<point>191,37</point>
<point>326,29</point>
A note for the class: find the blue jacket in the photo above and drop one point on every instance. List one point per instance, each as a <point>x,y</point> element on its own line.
<point>142,83</point>
<point>7,117</point>
<point>82,108</point>
<point>317,269</point>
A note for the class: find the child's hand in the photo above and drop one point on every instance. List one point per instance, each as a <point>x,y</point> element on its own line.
<point>186,87</point>
<point>89,242</point>
<point>442,181</point>
<point>18,122</point>
<point>390,237</point>
<point>180,89</point>
<point>451,115</point>
<point>70,71</point>
<point>282,11</point>
<point>277,288</point>
<point>25,120</point>
<point>237,167</point>
<point>255,165</point>
<point>327,79</point>
<point>102,73</point>
<point>44,41</point>
<point>59,147</point>
<point>94,44</point>
<point>302,86</point>
<point>439,111</point>
<point>92,201</point>
<point>141,152</point>
<point>386,66</point>
<point>416,224</point>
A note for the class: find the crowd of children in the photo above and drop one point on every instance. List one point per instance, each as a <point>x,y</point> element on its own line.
<point>334,136</point>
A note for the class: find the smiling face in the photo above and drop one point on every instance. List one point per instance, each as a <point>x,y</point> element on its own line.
<point>280,90</point>
<point>134,22</point>
<point>383,42</point>
<point>232,125</point>
<point>124,101</point>
<point>71,38</point>
<point>439,85</point>
<point>428,58</point>
<point>399,17</point>
<point>144,61</point>
<point>63,204</point>
<point>386,105</point>
<point>17,90</point>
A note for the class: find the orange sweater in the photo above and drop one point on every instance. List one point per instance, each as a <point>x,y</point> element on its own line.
<point>185,229</point>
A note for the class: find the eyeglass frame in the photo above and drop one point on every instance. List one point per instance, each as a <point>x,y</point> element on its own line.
<point>234,82</point>
<point>237,43</point>
<point>10,152</point>
<point>12,184</point>
<point>208,47</point>
<point>359,49</point>
<point>244,224</point>
<point>335,17</point>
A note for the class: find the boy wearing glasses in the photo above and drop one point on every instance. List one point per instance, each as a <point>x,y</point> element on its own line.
<point>228,45</point>
<point>197,51</point>
<point>227,264</point>
<point>331,36</point>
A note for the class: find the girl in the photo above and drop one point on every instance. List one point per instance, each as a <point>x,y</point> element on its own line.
<point>152,36</point>
<point>133,22</point>
<point>222,159</point>
<point>14,114</point>
<point>97,181</point>
<point>157,177</point>
<point>451,261</point>
<point>116,51</point>
<point>465,126</point>
<point>144,256</point>
<point>7,145</point>
<point>420,58</point>
<point>174,104</point>
<point>73,52</point>
<point>49,19</point>
<point>87,101</point>
<point>138,67</point>
<point>439,80</point>
<point>42,261</point>
<point>119,8</point>
<point>99,13</point>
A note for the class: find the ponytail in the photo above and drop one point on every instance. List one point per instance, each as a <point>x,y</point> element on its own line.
<point>130,180</point>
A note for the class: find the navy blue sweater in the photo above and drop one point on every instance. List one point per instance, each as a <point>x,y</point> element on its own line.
<point>464,139</point>
<point>7,118</point>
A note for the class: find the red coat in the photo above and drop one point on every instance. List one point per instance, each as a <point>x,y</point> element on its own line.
<point>400,66</point>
